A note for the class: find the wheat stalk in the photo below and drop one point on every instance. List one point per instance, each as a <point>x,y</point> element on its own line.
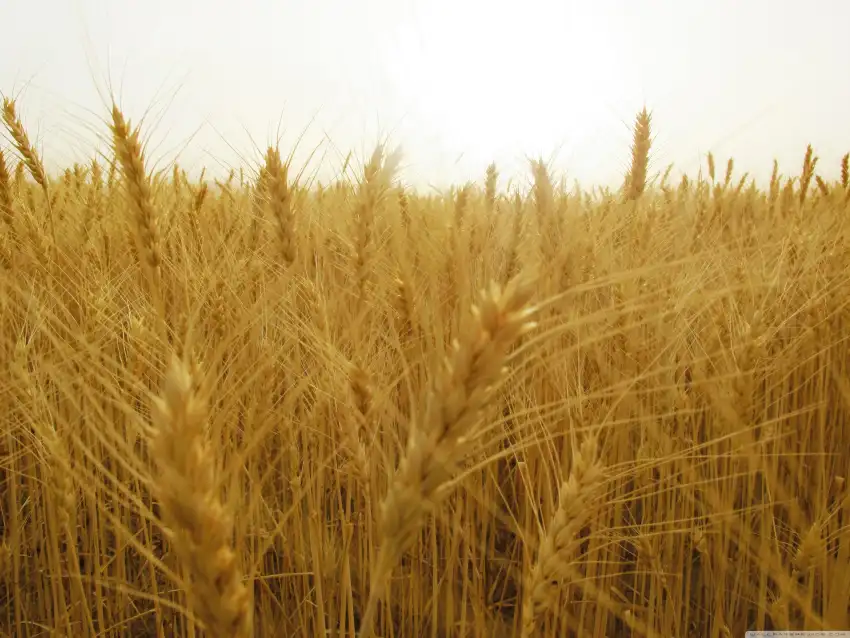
<point>809,164</point>
<point>641,143</point>
<point>6,210</point>
<point>437,446</point>
<point>490,180</point>
<point>128,151</point>
<point>274,180</point>
<point>377,180</point>
<point>29,155</point>
<point>201,528</point>
<point>556,549</point>
<point>355,426</point>
<point>22,143</point>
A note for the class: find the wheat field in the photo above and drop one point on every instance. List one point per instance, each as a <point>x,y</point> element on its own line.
<point>269,407</point>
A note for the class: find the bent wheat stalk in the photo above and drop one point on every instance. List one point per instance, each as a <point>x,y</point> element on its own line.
<point>29,155</point>
<point>437,446</point>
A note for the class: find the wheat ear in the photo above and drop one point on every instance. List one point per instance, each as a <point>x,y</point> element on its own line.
<point>378,177</point>
<point>276,182</point>
<point>556,548</point>
<point>437,446</point>
<point>641,143</point>
<point>128,151</point>
<point>809,164</point>
<point>28,153</point>
<point>22,143</point>
<point>201,528</point>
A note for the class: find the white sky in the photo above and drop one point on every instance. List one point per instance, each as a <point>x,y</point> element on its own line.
<point>457,82</point>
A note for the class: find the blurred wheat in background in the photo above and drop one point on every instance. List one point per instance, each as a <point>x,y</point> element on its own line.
<point>267,407</point>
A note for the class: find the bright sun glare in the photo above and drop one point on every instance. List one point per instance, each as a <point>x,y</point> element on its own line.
<point>526,78</point>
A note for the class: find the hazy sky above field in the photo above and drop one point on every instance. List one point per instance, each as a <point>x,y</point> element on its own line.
<point>457,82</point>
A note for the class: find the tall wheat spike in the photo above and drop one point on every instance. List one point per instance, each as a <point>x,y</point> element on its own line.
<point>128,151</point>
<point>30,156</point>
<point>275,180</point>
<point>641,143</point>
<point>439,443</point>
<point>201,528</point>
<point>551,569</point>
